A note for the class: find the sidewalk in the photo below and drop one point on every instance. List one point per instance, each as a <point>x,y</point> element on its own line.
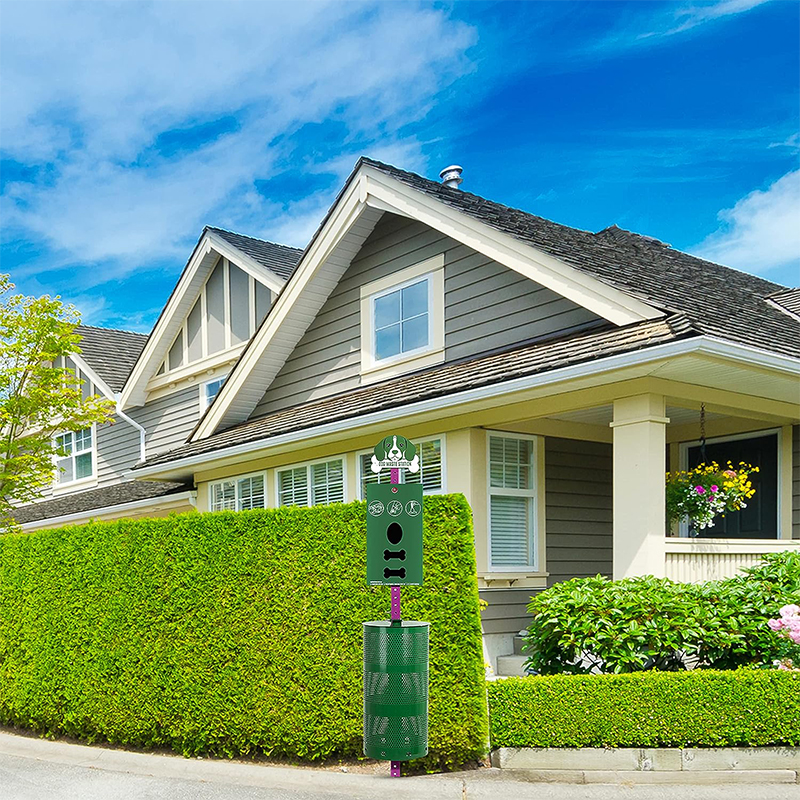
<point>37,769</point>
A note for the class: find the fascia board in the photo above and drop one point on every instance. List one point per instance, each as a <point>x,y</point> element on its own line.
<point>134,391</point>
<point>247,263</point>
<point>344,215</point>
<point>607,301</point>
<point>163,501</point>
<point>644,357</point>
<point>95,378</point>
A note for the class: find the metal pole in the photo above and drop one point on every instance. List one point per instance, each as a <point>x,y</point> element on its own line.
<point>395,613</point>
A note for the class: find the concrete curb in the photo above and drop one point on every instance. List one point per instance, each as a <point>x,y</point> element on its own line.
<point>652,765</point>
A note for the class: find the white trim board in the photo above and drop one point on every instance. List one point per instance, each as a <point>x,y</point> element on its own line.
<point>657,353</point>
<point>197,270</point>
<point>364,199</point>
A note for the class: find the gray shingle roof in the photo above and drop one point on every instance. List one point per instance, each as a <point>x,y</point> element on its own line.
<point>717,300</point>
<point>111,353</point>
<point>97,499</point>
<point>443,380</point>
<point>278,258</point>
<point>788,299</point>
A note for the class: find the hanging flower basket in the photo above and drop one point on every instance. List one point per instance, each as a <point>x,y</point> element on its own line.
<point>706,492</point>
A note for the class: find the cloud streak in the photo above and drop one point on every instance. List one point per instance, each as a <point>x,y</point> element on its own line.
<point>92,91</point>
<point>761,233</point>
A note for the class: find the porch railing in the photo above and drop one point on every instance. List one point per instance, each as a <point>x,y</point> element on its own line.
<point>695,560</point>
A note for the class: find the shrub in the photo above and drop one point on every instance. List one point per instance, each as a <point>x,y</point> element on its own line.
<point>708,708</point>
<point>230,633</point>
<point>594,624</point>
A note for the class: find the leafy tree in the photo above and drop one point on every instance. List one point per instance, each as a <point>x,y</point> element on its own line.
<point>38,398</point>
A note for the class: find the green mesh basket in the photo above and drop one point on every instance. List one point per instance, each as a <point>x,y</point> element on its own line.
<point>396,690</point>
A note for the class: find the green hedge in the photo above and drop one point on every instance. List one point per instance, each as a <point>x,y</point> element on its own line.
<point>230,633</point>
<point>704,708</point>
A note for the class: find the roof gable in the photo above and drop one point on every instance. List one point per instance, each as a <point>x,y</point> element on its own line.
<point>212,245</point>
<point>368,193</point>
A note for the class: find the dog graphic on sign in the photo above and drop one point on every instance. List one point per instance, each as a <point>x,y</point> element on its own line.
<point>395,452</point>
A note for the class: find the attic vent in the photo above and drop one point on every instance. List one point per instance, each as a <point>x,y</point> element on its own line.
<point>451,176</point>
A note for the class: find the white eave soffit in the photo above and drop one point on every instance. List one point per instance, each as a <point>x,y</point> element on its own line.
<point>194,277</point>
<point>374,189</point>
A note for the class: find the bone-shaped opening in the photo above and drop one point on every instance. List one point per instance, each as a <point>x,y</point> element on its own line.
<point>394,533</point>
<point>394,573</point>
<point>387,554</point>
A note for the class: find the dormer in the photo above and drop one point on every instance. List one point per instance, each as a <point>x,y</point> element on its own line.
<point>221,298</point>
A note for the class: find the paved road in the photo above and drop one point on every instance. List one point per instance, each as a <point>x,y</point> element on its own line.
<point>32,769</point>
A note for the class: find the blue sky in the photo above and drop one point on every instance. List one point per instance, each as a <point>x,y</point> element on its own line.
<point>126,127</point>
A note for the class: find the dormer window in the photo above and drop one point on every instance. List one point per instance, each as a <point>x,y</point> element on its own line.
<point>208,392</point>
<point>75,461</point>
<point>402,321</point>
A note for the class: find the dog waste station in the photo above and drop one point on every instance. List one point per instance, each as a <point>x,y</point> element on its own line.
<point>395,650</point>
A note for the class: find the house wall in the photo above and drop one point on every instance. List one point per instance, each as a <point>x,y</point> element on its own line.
<point>170,419</point>
<point>796,482</point>
<point>487,306</point>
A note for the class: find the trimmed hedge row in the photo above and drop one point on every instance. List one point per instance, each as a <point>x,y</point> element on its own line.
<point>230,633</point>
<point>704,708</point>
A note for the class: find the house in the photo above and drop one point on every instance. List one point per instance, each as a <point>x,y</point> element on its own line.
<point>550,374</point>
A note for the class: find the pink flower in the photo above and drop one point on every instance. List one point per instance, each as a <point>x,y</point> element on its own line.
<point>715,488</point>
<point>789,611</point>
<point>699,490</point>
<point>795,636</point>
<point>775,624</point>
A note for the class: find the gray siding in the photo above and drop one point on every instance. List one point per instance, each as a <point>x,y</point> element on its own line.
<point>117,451</point>
<point>487,306</point>
<point>578,488</point>
<point>507,609</point>
<point>169,420</point>
<point>578,532</point>
<point>796,482</point>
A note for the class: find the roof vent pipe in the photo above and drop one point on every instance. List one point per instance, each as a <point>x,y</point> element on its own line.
<point>451,176</point>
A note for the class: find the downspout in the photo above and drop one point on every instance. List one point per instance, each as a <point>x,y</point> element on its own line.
<point>142,432</point>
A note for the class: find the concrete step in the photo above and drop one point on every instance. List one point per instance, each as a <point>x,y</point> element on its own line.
<point>518,642</point>
<point>511,665</point>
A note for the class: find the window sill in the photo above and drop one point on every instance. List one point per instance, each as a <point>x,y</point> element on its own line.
<point>379,372</point>
<point>512,580</point>
<point>74,486</point>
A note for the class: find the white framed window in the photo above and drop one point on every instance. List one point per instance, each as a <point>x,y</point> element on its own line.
<point>430,475</point>
<point>238,494</point>
<point>209,390</point>
<point>512,488</point>
<point>317,483</point>
<point>77,462</point>
<point>402,320</point>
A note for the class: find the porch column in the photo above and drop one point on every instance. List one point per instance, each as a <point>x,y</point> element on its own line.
<point>639,465</point>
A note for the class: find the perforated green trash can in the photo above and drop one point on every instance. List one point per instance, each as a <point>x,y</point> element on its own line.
<point>396,690</point>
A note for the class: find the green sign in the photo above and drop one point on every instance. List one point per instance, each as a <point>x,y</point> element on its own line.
<point>394,534</point>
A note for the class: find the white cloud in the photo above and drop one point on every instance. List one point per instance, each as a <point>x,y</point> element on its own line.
<point>89,88</point>
<point>761,233</point>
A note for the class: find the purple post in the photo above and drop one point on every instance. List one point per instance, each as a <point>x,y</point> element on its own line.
<point>395,590</point>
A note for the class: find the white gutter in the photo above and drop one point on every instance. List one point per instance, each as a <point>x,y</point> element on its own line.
<point>142,432</point>
<point>700,344</point>
<point>165,500</point>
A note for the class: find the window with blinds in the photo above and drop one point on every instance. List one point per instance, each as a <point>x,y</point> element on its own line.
<point>315,484</point>
<point>238,494</point>
<point>512,495</point>
<point>429,475</point>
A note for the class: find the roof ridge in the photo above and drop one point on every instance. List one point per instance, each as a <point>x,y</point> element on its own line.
<point>254,238</point>
<point>115,330</point>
